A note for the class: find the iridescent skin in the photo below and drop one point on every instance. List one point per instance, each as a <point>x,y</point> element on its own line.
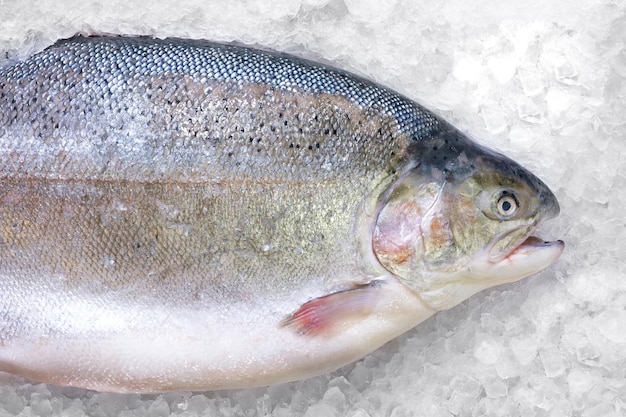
<point>187,215</point>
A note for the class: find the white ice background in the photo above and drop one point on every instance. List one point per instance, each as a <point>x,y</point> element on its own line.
<point>541,81</point>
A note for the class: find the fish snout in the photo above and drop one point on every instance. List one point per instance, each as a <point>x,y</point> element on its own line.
<point>549,203</point>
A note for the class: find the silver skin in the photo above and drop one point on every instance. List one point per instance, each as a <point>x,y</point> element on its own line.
<point>188,215</point>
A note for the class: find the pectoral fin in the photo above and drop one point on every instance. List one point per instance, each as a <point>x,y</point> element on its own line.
<point>328,314</point>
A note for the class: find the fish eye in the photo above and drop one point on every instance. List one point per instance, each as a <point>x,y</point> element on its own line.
<point>507,205</point>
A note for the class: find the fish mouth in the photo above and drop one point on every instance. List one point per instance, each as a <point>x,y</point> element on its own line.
<point>509,243</point>
<point>533,244</point>
<point>530,256</point>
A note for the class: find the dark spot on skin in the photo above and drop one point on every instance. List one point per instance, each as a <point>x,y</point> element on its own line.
<point>435,148</point>
<point>310,147</point>
<point>261,125</point>
<point>326,131</point>
<point>334,131</point>
<point>291,145</point>
<point>317,145</point>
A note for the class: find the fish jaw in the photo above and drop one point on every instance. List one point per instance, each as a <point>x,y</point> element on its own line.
<point>529,257</point>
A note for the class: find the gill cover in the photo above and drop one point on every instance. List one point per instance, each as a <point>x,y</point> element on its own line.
<point>398,239</point>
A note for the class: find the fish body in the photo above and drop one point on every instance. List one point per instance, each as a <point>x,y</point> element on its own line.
<point>189,215</point>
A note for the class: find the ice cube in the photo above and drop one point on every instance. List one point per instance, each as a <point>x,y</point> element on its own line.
<point>495,388</point>
<point>502,68</point>
<point>532,81</point>
<point>487,350</point>
<point>524,349</point>
<point>553,362</point>
<point>612,325</point>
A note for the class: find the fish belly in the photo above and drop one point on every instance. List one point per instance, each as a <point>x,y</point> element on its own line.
<point>155,287</point>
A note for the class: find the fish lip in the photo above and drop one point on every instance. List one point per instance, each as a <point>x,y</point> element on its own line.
<point>525,244</point>
<point>496,258</point>
<point>533,245</point>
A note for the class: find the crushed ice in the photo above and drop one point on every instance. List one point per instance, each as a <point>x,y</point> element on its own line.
<point>544,82</point>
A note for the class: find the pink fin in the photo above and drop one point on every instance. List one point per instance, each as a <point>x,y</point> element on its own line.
<point>323,314</point>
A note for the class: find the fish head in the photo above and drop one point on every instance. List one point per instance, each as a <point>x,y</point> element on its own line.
<point>461,219</point>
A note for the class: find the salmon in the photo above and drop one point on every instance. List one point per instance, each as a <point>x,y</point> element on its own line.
<point>187,215</point>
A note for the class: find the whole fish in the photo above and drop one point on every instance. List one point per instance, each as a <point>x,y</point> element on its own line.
<point>189,215</point>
